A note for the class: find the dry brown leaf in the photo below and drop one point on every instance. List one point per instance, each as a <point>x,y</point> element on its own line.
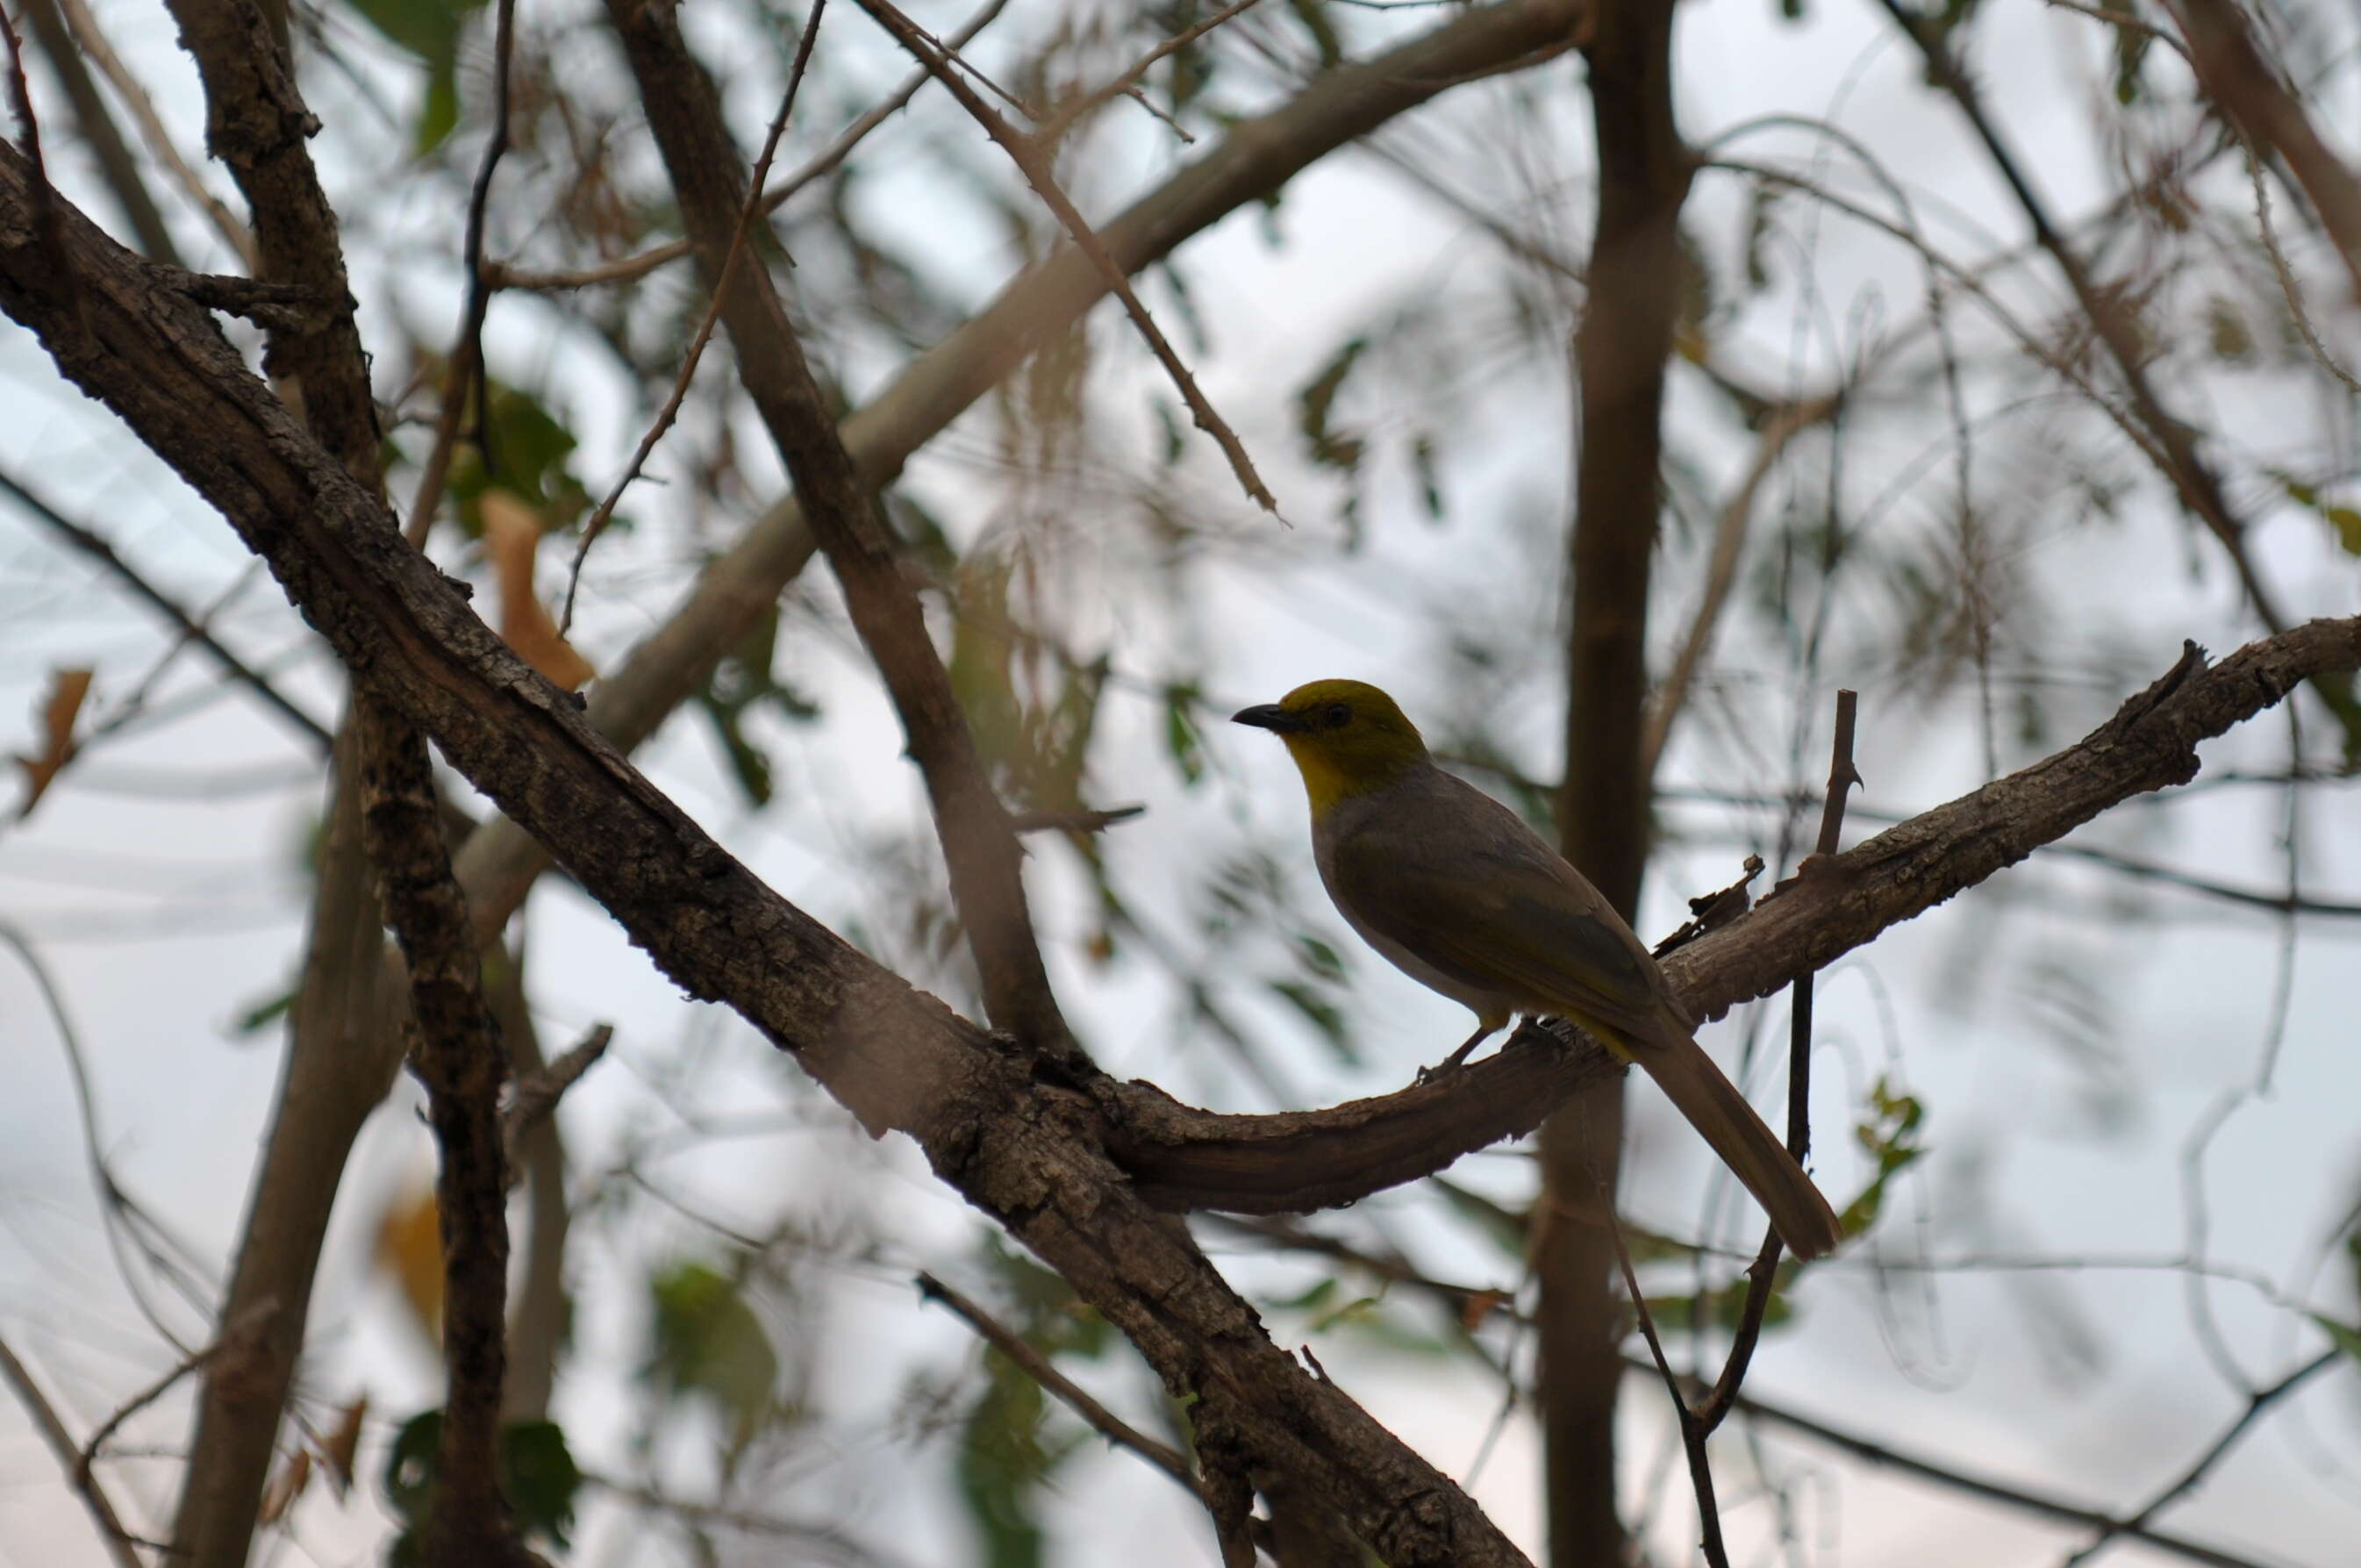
<point>1480,1306</point>
<point>337,1449</point>
<point>512,540</point>
<point>67,690</point>
<point>286,1486</point>
<point>410,1247</point>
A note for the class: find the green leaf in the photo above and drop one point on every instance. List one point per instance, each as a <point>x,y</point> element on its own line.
<point>1182,740</point>
<point>707,1344</point>
<point>431,30</point>
<point>2346,521</point>
<point>1319,958</point>
<point>1323,1015</point>
<point>539,1478</point>
<point>2347,1340</point>
<point>1315,406</point>
<point>1430,482</point>
<point>1889,1134</point>
<point>260,1015</point>
<point>410,1466</point>
<point>531,453</point>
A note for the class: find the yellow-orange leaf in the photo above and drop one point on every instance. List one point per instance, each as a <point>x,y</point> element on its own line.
<point>337,1450</point>
<point>410,1247</point>
<point>512,540</point>
<point>1480,1306</point>
<point>67,690</point>
<point>286,1486</point>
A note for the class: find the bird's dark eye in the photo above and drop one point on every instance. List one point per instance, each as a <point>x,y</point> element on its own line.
<point>1337,717</point>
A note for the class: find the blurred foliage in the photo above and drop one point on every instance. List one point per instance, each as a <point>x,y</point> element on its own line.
<point>538,1478</point>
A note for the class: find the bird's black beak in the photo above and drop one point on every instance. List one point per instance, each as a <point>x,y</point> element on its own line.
<point>1268,716</point>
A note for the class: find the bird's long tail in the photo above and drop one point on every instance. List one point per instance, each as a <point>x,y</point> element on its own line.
<point>1753,1153</point>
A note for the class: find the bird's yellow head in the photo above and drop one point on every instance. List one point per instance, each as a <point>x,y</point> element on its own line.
<point>1347,736</point>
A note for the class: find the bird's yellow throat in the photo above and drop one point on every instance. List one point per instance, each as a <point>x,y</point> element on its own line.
<point>1328,778</point>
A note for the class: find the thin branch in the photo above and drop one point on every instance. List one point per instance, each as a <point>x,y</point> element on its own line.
<point>459,1058</point>
<point>605,511</point>
<point>2257,1403</point>
<point>192,629</point>
<point>1694,1433</point>
<point>2198,487</point>
<point>101,133</point>
<point>1052,130</point>
<point>124,1217</point>
<point>464,377</point>
<point>232,1335</point>
<point>161,147</point>
<point>1763,1272</point>
<point>981,855</point>
<point>61,1443</point>
<point>1026,153</point>
<point>1788,421</point>
<point>630,268</point>
<point>1039,1368</point>
<point>537,1096</point>
<point>1079,819</point>
<point>1960,1479</point>
<point>2231,68</point>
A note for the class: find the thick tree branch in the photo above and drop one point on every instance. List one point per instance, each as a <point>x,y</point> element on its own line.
<point>460,1058</point>
<point>980,848</point>
<point>1620,348</point>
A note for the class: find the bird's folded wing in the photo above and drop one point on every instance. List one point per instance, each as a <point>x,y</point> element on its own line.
<point>1504,924</point>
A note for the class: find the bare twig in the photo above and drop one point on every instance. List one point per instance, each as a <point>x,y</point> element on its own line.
<point>2258,1402</point>
<point>1039,1368</point>
<point>630,268</point>
<point>1944,1473</point>
<point>99,550</point>
<point>2230,66</point>
<point>2198,486</point>
<point>98,128</point>
<point>464,379</point>
<point>234,1335</point>
<point>126,1221</point>
<point>537,1096</point>
<point>1051,130</point>
<point>1026,152</point>
<point>1729,541</point>
<point>1080,819</point>
<point>1763,1273</point>
<point>118,1540</point>
<point>159,142</point>
<point>747,211</point>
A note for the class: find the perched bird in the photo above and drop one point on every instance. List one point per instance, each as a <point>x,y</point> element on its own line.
<point>1458,894</point>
